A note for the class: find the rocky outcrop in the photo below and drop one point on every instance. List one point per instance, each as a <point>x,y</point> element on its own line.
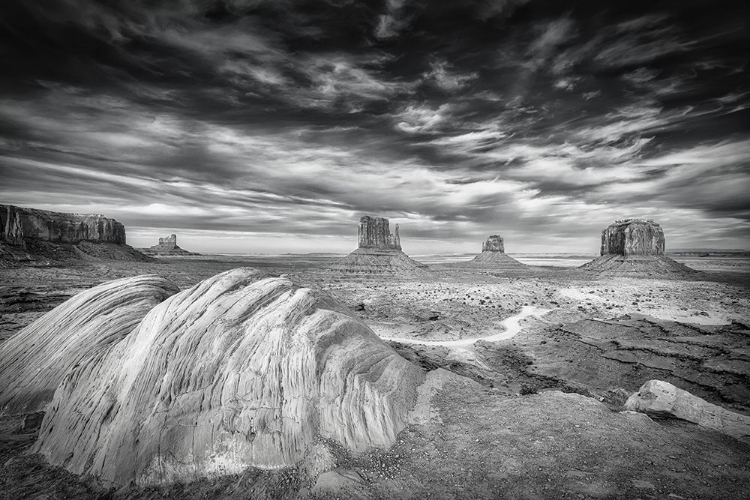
<point>660,399</point>
<point>166,246</point>
<point>240,370</point>
<point>633,237</point>
<point>493,257</point>
<point>494,243</point>
<point>375,232</point>
<point>34,361</point>
<point>634,246</point>
<point>22,224</point>
<point>379,253</point>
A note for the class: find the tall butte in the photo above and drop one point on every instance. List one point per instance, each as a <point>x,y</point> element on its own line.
<point>493,256</point>
<point>634,246</point>
<point>378,251</point>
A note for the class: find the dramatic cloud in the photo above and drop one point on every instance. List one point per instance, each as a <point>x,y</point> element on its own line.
<point>259,125</point>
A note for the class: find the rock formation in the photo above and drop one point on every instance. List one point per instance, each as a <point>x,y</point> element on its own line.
<point>28,234</point>
<point>240,370</point>
<point>379,252</point>
<point>633,237</point>
<point>493,257</point>
<point>660,399</point>
<point>494,243</point>
<point>34,361</point>
<point>634,246</point>
<point>166,246</point>
<point>22,224</point>
<point>375,232</point>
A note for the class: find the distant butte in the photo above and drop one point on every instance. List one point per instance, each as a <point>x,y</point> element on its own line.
<point>493,256</point>
<point>379,252</point>
<point>167,246</point>
<point>634,246</point>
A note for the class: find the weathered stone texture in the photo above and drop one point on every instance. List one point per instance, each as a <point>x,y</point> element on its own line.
<point>661,399</point>
<point>22,224</point>
<point>242,370</point>
<point>633,237</point>
<point>494,244</point>
<point>375,232</point>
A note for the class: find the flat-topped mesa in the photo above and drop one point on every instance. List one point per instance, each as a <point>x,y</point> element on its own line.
<point>19,225</point>
<point>494,244</point>
<point>633,237</point>
<point>375,232</point>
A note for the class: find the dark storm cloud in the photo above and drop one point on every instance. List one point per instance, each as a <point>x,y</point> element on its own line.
<point>453,118</point>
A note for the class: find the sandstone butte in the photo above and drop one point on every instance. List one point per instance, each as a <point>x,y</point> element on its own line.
<point>34,361</point>
<point>240,370</point>
<point>22,224</point>
<point>379,252</point>
<point>634,246</point>
<point>166,246</point>
<point>493,256</point>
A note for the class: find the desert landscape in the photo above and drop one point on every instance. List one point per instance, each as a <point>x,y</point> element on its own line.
<point>374,250</point>
<point>524,379</point>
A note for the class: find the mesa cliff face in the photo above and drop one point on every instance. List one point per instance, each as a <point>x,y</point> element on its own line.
<point>494,243</point>
<point>633,237</point>
<point>19,225</point>
<point>375,232</point>
<point>166,246</point>
<point>634,246</point>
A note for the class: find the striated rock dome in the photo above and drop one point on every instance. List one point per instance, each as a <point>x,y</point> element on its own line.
<point>34,361</point>
<point>240,370</point>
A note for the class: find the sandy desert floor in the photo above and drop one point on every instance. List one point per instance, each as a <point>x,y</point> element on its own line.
<point>536,415</point>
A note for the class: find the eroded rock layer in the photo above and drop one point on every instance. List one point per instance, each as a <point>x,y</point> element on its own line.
<point>637,265</point>
<point>22,224</point>
<point>661,399</point>
<point>166,246</point>
<point>633,237</point>
<point>240,370</point>
<point>34,361</point>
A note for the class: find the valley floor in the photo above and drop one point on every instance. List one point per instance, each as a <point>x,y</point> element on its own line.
<point>537,415</point>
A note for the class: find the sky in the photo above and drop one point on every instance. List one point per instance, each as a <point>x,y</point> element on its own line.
<point>272,126</point>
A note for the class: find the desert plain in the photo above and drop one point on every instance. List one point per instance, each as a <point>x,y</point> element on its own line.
<point>529,370</point>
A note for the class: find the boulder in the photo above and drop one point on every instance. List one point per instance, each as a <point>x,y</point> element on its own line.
<point>22,224</point>
<point>34,361</point>
<point>241,370</point>
<point>633,237</point>
<point>660,399</point>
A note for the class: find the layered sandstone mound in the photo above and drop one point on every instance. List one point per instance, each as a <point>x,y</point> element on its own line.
<point>663,400</point>
<point>167,246</point>
<point>34,361</point>
<point>31,235</point>
<point>493,256</point>
<point>634,246</point>
<point>240,370</point>
<point>379,252</point>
